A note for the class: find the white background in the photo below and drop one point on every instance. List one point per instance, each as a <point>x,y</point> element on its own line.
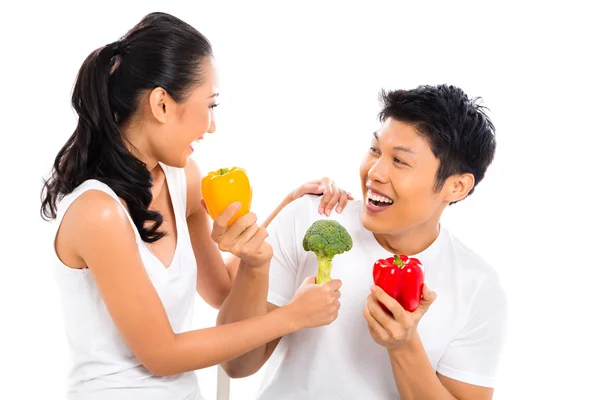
<point>299,85</point>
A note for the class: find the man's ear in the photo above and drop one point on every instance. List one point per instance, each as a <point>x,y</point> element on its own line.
<point>457,187</point>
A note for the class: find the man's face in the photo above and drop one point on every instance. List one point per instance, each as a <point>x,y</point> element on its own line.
<point>398,179</point>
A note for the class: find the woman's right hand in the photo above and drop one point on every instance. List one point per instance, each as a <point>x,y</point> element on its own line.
<point>244,239</point>
<point>316,305</point>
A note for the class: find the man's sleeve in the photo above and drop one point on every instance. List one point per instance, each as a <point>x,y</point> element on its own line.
<point>474,355</point>
<point>284,239</point>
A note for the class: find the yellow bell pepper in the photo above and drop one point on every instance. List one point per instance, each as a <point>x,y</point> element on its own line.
<point>224,186</point>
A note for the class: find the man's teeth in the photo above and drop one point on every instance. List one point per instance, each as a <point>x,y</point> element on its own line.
<point>381,199</point>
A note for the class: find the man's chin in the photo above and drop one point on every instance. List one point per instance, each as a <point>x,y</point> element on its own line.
<point>379,224</point>
<point>370,223</point>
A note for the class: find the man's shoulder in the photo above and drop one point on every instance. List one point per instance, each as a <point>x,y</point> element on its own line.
<point>470,263</point>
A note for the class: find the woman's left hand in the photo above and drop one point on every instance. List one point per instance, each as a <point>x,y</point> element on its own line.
<point>331,195</point>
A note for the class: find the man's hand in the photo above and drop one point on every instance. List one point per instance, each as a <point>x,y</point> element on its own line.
<point>393,331</point>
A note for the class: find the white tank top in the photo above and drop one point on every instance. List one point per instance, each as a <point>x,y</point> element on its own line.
<point>103,365</point>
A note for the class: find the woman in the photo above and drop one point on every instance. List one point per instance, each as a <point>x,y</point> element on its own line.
<point>133,238</point>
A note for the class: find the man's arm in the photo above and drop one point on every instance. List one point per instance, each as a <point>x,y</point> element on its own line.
<point>319,304</point>
<point>465,371</point>
<point>416,379</point>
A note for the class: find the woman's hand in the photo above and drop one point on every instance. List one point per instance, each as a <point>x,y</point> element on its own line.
<point>244,238</point>
<point>327,188</point>
<point>316,305</point>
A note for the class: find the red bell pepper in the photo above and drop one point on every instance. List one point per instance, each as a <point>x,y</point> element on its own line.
<point>402,278</point>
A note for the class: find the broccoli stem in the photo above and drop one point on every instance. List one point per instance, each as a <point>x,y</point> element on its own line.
<point>324,272</point>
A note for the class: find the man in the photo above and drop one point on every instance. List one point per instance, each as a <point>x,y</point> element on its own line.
<point>432,149</point>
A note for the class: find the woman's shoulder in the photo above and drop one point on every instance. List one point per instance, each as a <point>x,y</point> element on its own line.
<point>87,219</point>
<point>93,205</point>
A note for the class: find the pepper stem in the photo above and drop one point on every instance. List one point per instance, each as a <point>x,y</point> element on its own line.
<point>324,272</point>
<point>223,171</point>
<point>398,261</point>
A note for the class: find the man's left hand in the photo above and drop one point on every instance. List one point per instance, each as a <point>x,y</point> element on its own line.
<point>395,330</point>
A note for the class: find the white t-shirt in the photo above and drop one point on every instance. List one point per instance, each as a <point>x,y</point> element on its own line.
<point>462,333</point>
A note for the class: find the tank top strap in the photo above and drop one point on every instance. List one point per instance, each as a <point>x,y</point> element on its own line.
<point>90,184</point>
<point>178,190</point>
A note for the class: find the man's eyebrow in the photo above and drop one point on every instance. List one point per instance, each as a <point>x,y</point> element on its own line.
<point>399,148</point>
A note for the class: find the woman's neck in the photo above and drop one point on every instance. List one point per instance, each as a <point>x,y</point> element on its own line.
<point>135,137</point>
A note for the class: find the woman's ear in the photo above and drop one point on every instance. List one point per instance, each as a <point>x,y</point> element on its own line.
<point>159,102</point>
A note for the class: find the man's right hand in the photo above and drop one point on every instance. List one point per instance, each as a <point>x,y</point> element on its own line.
<point>316,305</point>
<point>244,239</point>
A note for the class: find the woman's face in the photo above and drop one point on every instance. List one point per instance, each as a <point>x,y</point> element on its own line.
<point>186,122</point>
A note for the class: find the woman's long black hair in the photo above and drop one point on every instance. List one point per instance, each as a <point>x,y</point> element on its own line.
<point>160,51</point>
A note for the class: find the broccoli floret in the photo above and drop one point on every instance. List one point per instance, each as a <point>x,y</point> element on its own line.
<point>326,238</point>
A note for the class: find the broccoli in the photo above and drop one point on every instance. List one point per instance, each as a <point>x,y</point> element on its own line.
<point>326,238</point>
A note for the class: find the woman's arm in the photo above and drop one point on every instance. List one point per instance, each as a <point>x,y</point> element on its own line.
<point>331,195</point>
<point>97,230</point>
<point>213,281</point>
<point>215,272</point>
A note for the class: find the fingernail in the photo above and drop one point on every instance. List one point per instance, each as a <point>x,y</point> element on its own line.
<point>339,210</point>
<point>327,212</point>
<point>320,211</point>
<point>373,288</point>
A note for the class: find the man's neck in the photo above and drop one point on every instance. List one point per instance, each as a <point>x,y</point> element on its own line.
<point>411,241</point>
